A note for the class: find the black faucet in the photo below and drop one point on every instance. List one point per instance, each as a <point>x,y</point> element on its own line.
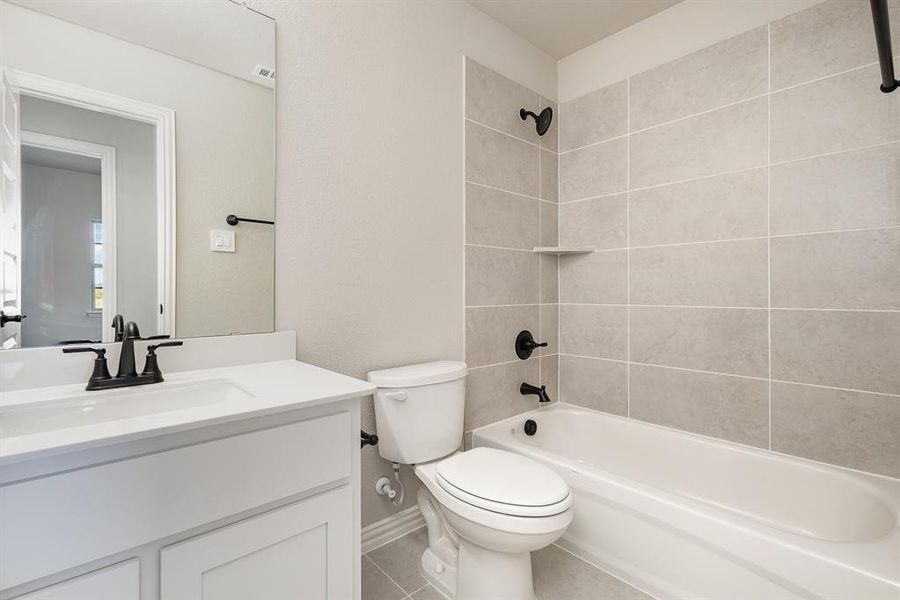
<point>127,375</point>
<point>541,392</point>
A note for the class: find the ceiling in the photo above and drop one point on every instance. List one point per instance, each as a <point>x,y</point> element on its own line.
<point>561,27</point>
<point>43,157</point>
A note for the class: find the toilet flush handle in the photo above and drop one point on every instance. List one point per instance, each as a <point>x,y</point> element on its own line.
<point>398,396</point>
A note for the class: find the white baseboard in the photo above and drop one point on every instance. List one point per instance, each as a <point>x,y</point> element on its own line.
<point>387,530</point>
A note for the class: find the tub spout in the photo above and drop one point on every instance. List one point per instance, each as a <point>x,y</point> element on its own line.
<point>541,392</point>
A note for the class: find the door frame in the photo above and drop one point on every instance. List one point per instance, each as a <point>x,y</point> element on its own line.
<point>107,156</point>
<point>163,120</point>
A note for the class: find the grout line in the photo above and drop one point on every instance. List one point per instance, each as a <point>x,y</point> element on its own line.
<point>701,113</point>
<point>816,80</point>
<point>762,166</point>
<point>600,197</point>
<point>834,153</point>
<point>831,387</point>
<point>769,226</point>
<point>628,245</point>
<point>413,593</point>
<point>502,247</point>
<point>497,189</point>
<point>592,144</point>
<point>646,364</point>
<point>366,556</point>
<point>507,362</point>
<point>751,377</point>
<point>509,135</point>
<point>703,306</point>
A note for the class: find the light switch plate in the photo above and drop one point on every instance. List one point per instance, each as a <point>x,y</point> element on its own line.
<point>221,240</point>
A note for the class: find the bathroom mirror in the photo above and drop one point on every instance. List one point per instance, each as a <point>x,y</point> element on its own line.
<point>130,132</point>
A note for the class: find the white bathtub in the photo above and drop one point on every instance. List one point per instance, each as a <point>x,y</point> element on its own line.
<point>685,516</point>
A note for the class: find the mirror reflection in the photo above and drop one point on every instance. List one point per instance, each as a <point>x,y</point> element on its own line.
<point>131,131</point>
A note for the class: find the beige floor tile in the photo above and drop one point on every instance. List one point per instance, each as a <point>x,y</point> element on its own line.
<point>559,575</point>
<point>376,585</point>
<point>400,559</point>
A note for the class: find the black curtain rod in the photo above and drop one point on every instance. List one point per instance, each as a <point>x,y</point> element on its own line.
<point>883,41</point>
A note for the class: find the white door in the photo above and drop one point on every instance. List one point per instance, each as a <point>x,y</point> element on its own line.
<point>303,551</point>
<point>10,215</point>
<point>118,582</point>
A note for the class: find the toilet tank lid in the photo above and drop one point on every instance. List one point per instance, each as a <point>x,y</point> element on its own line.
<point>439,371</point>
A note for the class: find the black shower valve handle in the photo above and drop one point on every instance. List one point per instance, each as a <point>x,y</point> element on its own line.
<point>525,344</point>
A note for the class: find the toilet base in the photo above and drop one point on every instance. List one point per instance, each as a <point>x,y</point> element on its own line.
<point>491,575</point>
<point>439,574</point>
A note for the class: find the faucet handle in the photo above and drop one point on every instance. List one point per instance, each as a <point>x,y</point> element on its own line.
<point>164,336</point>
<point>151,365</point>
<point>101,371</point>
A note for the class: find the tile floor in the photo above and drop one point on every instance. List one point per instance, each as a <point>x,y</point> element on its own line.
<point>392,573</point>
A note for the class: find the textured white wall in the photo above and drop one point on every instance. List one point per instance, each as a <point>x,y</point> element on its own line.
<point>684,28</point>
<point>370,181</point>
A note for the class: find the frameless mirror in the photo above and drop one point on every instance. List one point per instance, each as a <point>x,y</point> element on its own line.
<point>131,131</point>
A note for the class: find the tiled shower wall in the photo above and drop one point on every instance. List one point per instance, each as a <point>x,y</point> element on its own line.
<point>745,202</point>
<point>511,207</point>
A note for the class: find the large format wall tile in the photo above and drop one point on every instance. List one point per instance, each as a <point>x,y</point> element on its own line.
<point>549,266</point>
<point>549,331</point>
<point>721,74</point>
<point>549,176</point>
<point>492,393</point>
<point>829,38</point>
<point>500,161</point>
<point>597,278</point>
<point>728,139</point>
<point>594,383</point>
<point>595,331</point>
<point>594,117</point>
<point>715,208</point>
<point>549,224</point>
<point>496,218</point>
<point>725,340</point>
<point>494,100</point>
<point>598,222</point>
<point>839,113</point>
<point>851,269</point>
<point>496,276</point>
<point>491,331</point>
<point>860,188</point>
<point>853,429</point>
<point>550,375</point>
<point>733,408</point>
<point>856,350</point>
<point>593,171</point>
<point>708,274</point>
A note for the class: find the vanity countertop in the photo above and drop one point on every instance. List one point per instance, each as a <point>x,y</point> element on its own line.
<point>186,400</point>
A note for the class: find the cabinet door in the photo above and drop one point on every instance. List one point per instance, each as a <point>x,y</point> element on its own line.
<point>301,551</point>
<point>118,582</point>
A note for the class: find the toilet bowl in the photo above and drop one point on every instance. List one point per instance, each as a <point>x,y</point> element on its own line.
<point>497,507</point>
<point>486,509</point>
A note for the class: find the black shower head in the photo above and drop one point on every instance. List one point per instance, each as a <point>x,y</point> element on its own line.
<point>542,121</point>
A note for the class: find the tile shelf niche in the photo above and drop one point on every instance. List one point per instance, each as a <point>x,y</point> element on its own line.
<point>563,250</point>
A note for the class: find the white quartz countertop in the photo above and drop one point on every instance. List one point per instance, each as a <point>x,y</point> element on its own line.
<point>253,390</point>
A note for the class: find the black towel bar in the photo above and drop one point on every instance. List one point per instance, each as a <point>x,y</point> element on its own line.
<point>233,220</point>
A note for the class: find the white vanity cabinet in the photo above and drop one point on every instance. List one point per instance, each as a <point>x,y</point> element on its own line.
<point>121,581</point>
<point>263,507</point>
<point>298,551</point>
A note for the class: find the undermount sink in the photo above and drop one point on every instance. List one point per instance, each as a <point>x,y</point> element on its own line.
<point>99,407</point>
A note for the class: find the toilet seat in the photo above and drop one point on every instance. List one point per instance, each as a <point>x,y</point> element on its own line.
<point>503,482</point>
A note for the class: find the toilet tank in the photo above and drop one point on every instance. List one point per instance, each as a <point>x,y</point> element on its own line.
<point>419,410</point>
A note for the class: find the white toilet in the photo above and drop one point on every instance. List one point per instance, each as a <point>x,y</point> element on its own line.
<point>486,509</point>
